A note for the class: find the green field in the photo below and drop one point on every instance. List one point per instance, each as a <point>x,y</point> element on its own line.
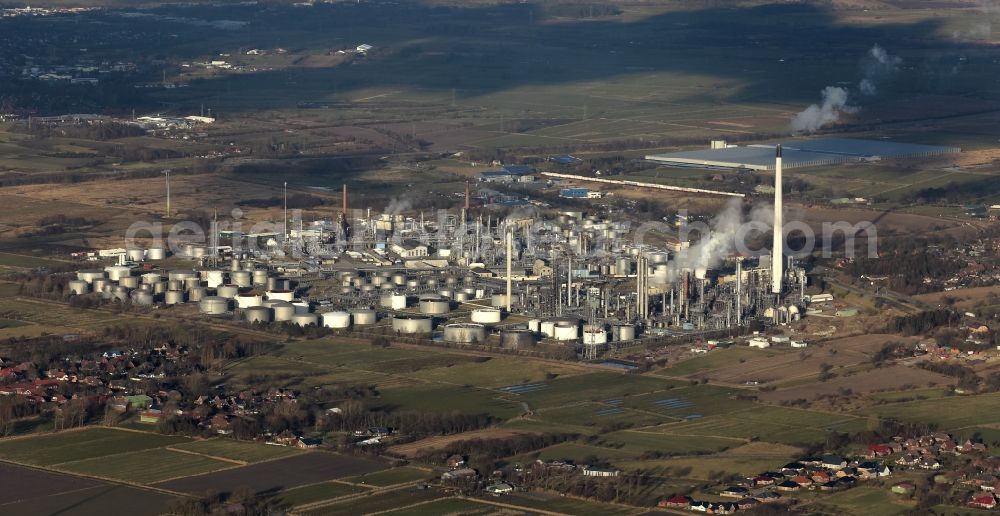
<point>147,466</point>
<point>447,506</point>
<point>378,503</point>
<point>711,468</point>
<point>70,446</point>
<point>597,415</point>
<point>565,505</point>
<point>448,398</point>
<point>237,450</point>
<point>863,501</point>
<point>390,477</point>
<point>948,413</point>
<point>714,360</point>
<point>772,424</point>
<point>594,387</point>
<point>638,442</point>
<point>316,493</point>
<point>576,452</point>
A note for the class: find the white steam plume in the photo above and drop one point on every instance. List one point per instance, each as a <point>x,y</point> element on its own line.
<point>816,116</point>
<point>720,241</point>
<point>878,66</point>
<point>398,205</point>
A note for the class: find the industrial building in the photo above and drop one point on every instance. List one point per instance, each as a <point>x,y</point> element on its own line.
<point>798,154</point>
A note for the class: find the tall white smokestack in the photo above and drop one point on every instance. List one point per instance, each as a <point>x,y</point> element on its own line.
<point>777,249</point>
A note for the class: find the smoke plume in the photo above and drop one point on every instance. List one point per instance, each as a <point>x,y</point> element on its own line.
<point>398,205</point>
<point>878,65</point>
<point>720,239</point>
<point>827,112</point>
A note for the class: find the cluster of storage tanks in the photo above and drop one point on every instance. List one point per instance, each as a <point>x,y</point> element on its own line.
<point>259,296</point>
<point>459,289</point>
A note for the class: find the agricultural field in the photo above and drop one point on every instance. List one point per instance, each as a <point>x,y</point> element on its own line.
<point>715,359</point>
<point>390,477</point>
<point>376,502</point>
<point>863,501</point>
<point>233,450</point>
<point>772,424</point>
<point>316,493</point>
<point>146,467</point>
<point>465,507</point>
<point>89,443</point>
<point>948,413</point>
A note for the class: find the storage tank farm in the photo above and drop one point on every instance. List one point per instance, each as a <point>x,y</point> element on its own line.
<point>531,278</point>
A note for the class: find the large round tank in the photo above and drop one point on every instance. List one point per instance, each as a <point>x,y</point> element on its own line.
<point>412,323</point>
<point>565,330</point>
<point>446,292</point>
<point>173,297</point>
<point>623,266</point>
<point>517,338</point>
<point>305,319</point>
<point>271,284</point>
<point>108,292</point>
<point>363,316</point>
<point>196,294</point>
<point>259,277</point>
<point>301,307</point>
<point>119,293</point>
<point>150,277</point>
<point>485,316</point>
<point>156,253</point>
<point>594,334</point>
<point>199,251</point>
<point>227,291</point>
<point>99,283</point>
<point>129,281</point>
<point>89,275</point>
<point>79,287</point>
<point>213,278</point>
<point>535,325</point>
<point>175,285</point>
<point>248,300</point>
<point>257,314</point>
<point>622,332</point>
<point>234,264</point>
<point>412,284</point>
<point>368,289</point>
<point>159,287</point>
<point>281,295</point>
<point>399,279</point>
<point>187,250</point>
<point>386,287</point>
<point>283,310</point>
<point>393,301</point>
<point>658,257</point>
<point>117,272</point>
<point>142,298</point>
<point>181,274</point>
<point>336,320</point>
<point>432,282</point>
<point>465,333</point>
<point>451,281</point>
<point>461,297</point>
<point>498,300</point>
<point>190,283</point>
<point>241,278</point>
<point>135,255</point>
<point>434,305</point>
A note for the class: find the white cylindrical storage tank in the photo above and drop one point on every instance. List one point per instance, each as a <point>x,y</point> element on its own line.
<point>386,287</point>
<point>305,320</point>
<point>469,291</point>
<point>248,300</point>
<point>117,272</point>
<point>79,287</point>
<point>547,328</point>
<point>399,279</point>
<point>234,265</point>
<point>363,316</point>
<point>214,278</point>
<point>451,281</point>
<point>159,287</point>
<point>256,314</point>
<point>150,277</point>
<point>368,289</point>
<point>190,283</point>
<point>108,292</point>
<point>99,283</point>
<point>535,325</point>
<point>272,283</point>
<point>119,293</point>
<point>301,307</point>
<point>397,301</point>
<point>281,295</point>
<point>517,338</point>
<point>565,330</point>
<point>181,274</point>
<point>485,316</point>
<point>412,323</point>
<point>142,298</point>
<point>135,255</point>
<point>156,253</point>
<point>213,305</point>
<point>434,305</point>
<point>175,285</point>
<point>498,300</point>
<point>227,291</point>
<point>461,297</point>
<point>129,281</point>
<point>465,333</point>
<point>283,310</point>
<point>259,277</point>
<point>432,282</point>
<point>89,275</point>
<point>594,334</point>
<point>623,332</point>
<point>658,257</point>
<point>187,250</point>
<point>412,284</point>
<point>336,320</point>
<point>196,294</point>
<point>173,297</point>
<point>199,251</point>
<point>446,292</point>
<point>623,266</point>
<point>241,278</point>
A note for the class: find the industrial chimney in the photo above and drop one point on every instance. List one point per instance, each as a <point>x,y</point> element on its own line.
<point>777,250</point>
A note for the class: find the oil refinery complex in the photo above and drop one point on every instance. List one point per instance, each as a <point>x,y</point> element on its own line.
<point>572,278</point>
